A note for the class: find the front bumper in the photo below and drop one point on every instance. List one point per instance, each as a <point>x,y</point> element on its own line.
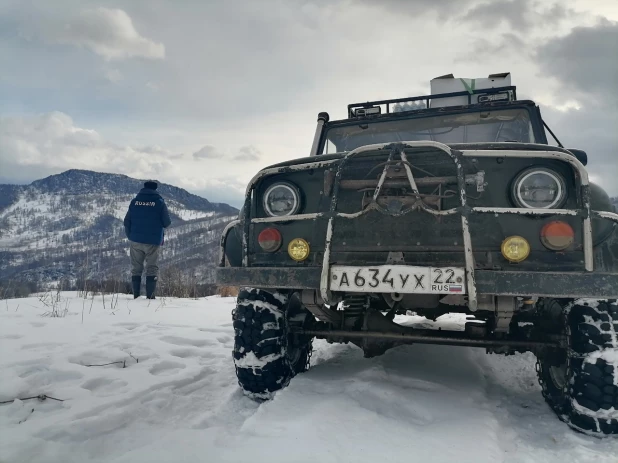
<point>502,283</point>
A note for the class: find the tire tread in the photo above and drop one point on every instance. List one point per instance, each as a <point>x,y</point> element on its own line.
<point>260,330</point>
<point>590,402</point>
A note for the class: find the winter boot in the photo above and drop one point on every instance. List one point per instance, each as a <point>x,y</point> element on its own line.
<point>151,285</point>
<point>136,280</point>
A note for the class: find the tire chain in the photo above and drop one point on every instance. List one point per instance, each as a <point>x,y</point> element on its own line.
<point>571,354</point>
<point>309,350</point>
<point>286,369</point>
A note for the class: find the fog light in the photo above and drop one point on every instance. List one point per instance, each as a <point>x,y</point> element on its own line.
<point>269,239</point>
<point>298,249</point>
<point>557,235</point>
<point>515,249</point>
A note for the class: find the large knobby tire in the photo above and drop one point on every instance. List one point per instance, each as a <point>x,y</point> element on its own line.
<point>266,355</point>
<point>581,383</point>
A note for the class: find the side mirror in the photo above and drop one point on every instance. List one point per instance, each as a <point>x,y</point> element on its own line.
<point>580,155</point>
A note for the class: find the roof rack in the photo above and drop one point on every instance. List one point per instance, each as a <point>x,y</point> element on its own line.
<point>427,98</point>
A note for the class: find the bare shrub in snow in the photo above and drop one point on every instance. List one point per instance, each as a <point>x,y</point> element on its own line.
<point>174,282</point>
<point>11,289</point>
<point>58,307</point>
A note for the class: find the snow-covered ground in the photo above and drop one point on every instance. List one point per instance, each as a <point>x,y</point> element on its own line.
<point>176,399</point>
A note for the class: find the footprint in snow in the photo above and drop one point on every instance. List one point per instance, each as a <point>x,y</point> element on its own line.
<point>41,374</point>
<point>158,327</point>
<point>180,341</point>
<point>104,386</point>
<point>185,353</point>
<point>166,368</point>
<point>25,363</point>
<point>128,326</point>
<point>38,324</point>
<point>42,345</point>
<point>11,336</point>
<point>214,330</point>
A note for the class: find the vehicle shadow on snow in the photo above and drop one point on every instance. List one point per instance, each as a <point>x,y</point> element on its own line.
<point>443,367</point>
<point>424,384</point>
<point>410,385</point>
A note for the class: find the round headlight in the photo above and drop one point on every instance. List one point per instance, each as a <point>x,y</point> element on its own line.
<point>539,188</point>
<point>281,199</point>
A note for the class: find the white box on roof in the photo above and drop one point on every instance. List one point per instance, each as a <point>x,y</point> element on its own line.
<point>451,84</point>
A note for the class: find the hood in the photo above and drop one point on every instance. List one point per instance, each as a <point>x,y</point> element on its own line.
<point>148,191</point>
<point>457,146</point>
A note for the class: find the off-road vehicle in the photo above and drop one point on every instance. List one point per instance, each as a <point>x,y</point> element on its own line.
<point>454,202</point>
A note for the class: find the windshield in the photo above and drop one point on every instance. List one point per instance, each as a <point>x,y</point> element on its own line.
<point>507,125</point>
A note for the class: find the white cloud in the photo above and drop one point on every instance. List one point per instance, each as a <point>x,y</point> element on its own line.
<point>36,146</point>
<point>53,142</point>
<point>109,33</point>
<point>248,153</point>
<point>207,152</point>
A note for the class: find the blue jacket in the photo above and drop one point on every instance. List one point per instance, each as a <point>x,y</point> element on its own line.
<point>146,218</point>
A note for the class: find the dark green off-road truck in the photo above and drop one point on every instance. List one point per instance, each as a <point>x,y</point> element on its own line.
<point>413,205</point>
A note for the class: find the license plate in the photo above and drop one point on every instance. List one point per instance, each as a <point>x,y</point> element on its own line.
<point>398,279</point>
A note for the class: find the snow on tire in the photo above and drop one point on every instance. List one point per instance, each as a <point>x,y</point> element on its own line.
<point>588,398</point>
<point>265,356</point>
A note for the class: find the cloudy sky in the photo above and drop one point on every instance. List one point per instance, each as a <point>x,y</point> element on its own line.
<point>202,94</point>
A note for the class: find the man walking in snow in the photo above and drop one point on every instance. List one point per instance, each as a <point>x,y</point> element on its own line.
<point>144,223</point>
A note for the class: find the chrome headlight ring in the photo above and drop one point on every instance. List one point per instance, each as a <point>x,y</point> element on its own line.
<point>281,199</point>
<point>539,188</point>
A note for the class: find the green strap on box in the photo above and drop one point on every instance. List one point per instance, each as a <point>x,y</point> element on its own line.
<point>469,88</point>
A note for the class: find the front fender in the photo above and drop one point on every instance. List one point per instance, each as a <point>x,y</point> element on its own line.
<point>602,229</point>
<point>233,246</point>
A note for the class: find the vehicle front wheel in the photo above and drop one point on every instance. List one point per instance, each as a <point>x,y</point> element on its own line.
<point>581,382</point>
<point>266,355</point>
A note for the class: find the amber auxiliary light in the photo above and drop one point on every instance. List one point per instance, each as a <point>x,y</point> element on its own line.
<point>298,249</point>
<point>515,249</point>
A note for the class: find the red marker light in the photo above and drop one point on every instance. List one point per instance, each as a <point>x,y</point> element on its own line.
<point>270,239</point>
<point>557,235</point>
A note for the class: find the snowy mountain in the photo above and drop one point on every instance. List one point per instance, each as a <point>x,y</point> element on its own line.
<point>69,226</point>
